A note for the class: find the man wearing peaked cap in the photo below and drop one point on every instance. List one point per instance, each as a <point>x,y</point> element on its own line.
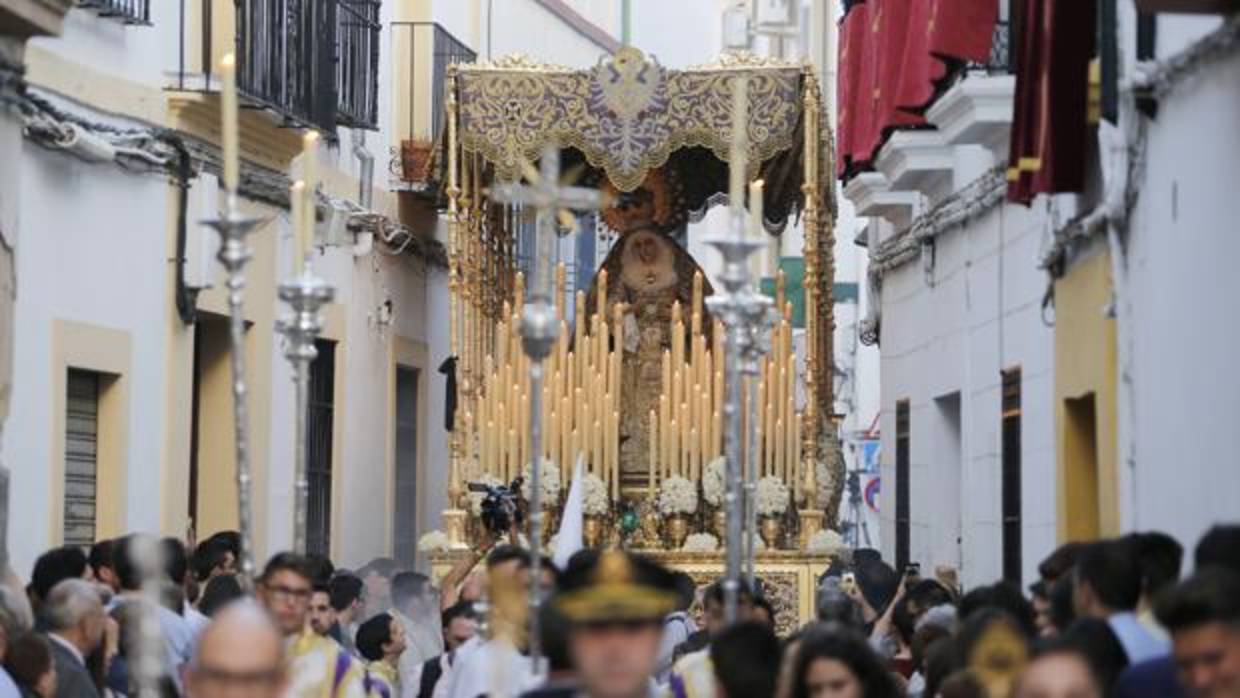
<point>614,603</point>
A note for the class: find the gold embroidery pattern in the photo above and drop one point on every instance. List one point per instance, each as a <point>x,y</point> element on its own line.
<point>627,115</point>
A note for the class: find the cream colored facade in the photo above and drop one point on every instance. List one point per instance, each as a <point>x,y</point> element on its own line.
<point>96,284</point>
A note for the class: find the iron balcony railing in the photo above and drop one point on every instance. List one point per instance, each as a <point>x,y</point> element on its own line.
<point>286,59</point>
<point>422,52</point>
<point>127,11</point>
<point>357,64</point>
<point>314,63</point>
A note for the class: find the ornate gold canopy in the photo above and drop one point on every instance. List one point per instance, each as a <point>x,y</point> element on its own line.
<point>620,120</point>
<point>629,115</point>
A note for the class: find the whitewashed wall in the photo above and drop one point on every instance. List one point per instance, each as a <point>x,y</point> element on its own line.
<point>91,250</point>
<point>980,314</point>
<point>1179,471</point>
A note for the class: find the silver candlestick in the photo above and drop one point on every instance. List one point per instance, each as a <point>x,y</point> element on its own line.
<point>306,295</point>
<point>233,227</point>
<point>734,306</point>
<point>539,329</point>
<point>759,318</point>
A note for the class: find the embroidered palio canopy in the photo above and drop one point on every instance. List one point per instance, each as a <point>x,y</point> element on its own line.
<point>629,115</point>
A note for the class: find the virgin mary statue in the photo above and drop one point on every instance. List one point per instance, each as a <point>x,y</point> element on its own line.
<point>647,272</point>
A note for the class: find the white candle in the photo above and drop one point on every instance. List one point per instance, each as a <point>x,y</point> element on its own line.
<point>296,208</point>
<point>310,174</point>
<point>755,205</point>
<point>228,117</point>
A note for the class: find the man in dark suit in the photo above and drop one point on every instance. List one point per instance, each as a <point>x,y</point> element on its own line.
<point>76,622</point>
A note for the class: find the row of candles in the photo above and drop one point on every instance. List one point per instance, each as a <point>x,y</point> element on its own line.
<point>581,398</point>
<point>581,394</point>
<point>301,192</point>
<point>686,428</point>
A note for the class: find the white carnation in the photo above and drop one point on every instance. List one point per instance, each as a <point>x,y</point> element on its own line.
<point>595,501</point>
<point>550,481</point>
<point>677,496</point>
<point>825,542</point>
<point>713,481</point>
<point>772,496</point>
<point>434,542</point>
<point>701,543</point>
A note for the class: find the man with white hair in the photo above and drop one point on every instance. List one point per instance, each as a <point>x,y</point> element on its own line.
<point>240,652</point>
<point>76,623</point>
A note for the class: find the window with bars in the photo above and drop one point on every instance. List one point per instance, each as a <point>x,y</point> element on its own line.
<point>81,456</point>
<point>405,512</point>
<point>320,418</point>
<point>1011,495</point>
<point>903,516</point>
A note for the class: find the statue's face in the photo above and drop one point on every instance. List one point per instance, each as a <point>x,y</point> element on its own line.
<point>648,262</point>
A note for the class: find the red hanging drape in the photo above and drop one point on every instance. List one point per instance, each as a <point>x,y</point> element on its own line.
<point>962,29</point>
<point>1049,126</point>
<point>846,86</point>
<point>891,58</point>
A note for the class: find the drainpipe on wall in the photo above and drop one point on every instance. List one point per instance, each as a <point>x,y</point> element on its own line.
<point>366,159</point>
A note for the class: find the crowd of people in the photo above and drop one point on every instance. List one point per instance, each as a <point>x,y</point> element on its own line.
<point>1105,618</point>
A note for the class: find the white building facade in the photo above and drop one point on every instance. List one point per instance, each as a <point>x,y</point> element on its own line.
<point>121,416</point>
<point>1033,389</point>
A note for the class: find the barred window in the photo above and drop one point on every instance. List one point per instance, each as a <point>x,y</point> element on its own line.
<point>81,456</point>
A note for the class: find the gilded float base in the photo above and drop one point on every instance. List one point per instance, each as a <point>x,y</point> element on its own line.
<point>789,577</point>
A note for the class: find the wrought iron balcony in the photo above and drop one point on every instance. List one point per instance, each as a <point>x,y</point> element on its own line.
<point>127,11</point>
<point>424,50</point>
<point>357,65</point>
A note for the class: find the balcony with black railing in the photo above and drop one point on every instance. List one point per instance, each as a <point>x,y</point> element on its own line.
<point>422,52</point>
<point>126,11</point>
<point>357,63</point>
<point>312,64</point>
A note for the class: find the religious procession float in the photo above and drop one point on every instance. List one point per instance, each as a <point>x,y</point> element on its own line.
<point>633,383</point>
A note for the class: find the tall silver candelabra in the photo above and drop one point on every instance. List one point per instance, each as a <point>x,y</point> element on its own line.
<point>759,317</point>
<point>539,329</point>
<point>735,307</point>
<point>306,295</point>
<point>233,227</point>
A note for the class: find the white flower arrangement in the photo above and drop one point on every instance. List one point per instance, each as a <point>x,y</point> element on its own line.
<point>550,481</point>
<point>476,498</point>
<point>594,499</point>
<point>434,542</point>
<point>772,496</point>
<point>825,542</point>
<point>677,496</point>
<point>701,543</point>
<point>713,478</point>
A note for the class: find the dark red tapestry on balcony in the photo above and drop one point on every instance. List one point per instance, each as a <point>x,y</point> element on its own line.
<point>1049,125</point>
<point>892,57</point>
<point>962,29</point>
<point>853,110</point>
<point>901,50</point>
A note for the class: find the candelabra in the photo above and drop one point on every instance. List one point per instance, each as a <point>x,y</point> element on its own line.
<point>760,317</point>
<point>736,306</point>
<point>305,295</point>
<point>233,227</point>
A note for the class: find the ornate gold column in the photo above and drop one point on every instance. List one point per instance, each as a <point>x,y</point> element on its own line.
<point>454,516</point>
<point>811,515</point>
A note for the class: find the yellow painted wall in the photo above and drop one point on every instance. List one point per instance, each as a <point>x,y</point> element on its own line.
<point>1085,364</point>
